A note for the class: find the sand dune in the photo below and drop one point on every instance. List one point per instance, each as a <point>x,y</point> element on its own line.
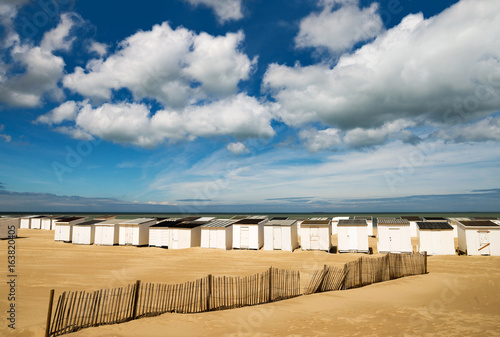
<point>460,295</point>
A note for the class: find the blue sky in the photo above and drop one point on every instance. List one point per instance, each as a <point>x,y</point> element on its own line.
<point>250,105</point>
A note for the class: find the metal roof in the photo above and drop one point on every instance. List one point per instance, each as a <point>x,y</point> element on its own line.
<point>411,217</point>
<point>352,222</point>
<point>166,223</point>
<point>479,223</point>
<point>105,217</point>
<point>137,221</point>
<point>279,218</point>
<point>190,218</point>
<point>249,221</point>
<point>110,222</point>
<point>433,225</point>
<point>315,222</point>
<point>392,221</point>
<point>433,218</point>
<point>88,223</point>
<point>219,223</point>
<point>319,219</point>
<point>206,218</point>
<point>239,217</point>
<point>71,218</point>
<point>262,217</point>
<point>363,218</point>
<point>280,223</point>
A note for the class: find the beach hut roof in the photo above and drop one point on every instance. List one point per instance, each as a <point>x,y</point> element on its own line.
<point>166,223</point>
<point>105,217</point>
<point>206,218</point>
<point>392,221</point>
<point>433,225</point>
<point>248,221</point>
<point>363,218</point>
<point>411,217</point>
<point>190,218</point>
<point>279,218</point>
<point>219,223</point>
<point>88,223</point>
<point>479,223</point>
<point>137,221</point>
<point>280,223</point>
<point>433,218</point>
<point>484,218</point>
<point>313,221</point>
<point>239,217</point>
<point>352,222</point>
<point>189,224</point>
<point>71,218</point>
<point>110,222</point>
<point>261,217</point>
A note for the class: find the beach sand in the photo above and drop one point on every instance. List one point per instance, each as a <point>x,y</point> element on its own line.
<point>459,296</point>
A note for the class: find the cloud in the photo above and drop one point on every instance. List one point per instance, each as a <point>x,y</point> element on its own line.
<point>96,47</point>
<point>359,137</point>
<point>5,137</point>
<point>487,129</point>
<point>236,148</point>
<point>339,28</point>
<point>41,69</point>
<point>59,38</point>
<point>428,71</point>
<point>176,67</point>
<point>225,10</point>
<point>65,111</point>
<point>317,140</point>
<point>239,116</point>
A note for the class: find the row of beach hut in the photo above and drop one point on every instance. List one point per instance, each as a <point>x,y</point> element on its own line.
<point>435,235</point>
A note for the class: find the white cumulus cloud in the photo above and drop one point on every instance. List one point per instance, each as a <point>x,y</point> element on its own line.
<point>236,148</point>
<point>339,28</point>
<point>317,140</point>
<point>424,70</point>
<point>224,9</point>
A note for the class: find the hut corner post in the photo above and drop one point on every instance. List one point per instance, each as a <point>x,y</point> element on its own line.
<point>425,262</point>
<point>136,299</point>
<point>49,313</point>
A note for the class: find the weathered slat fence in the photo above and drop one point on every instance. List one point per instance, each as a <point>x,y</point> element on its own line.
<point>81,309</point>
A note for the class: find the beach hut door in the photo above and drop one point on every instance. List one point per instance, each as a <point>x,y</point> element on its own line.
<point>394,244</point>
<point>244,237</point>
<point>212,238</point>
<point>436,243</point>
<point>484,242</point>
<point>352,236</point>
<point>315,238</point>
<point>277,238</point>
<point>129,235</point>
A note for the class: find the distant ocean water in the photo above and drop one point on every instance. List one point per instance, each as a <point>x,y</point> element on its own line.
<point>270,215</point>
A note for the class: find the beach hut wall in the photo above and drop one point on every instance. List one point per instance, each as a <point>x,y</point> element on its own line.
<point>135,232</point>
<point>335,222</point>
<point>394,235</point>
<point>84,232</point>
<point>353,236</point>
<point>64,228</point>
<point>25,221</point>
<point>369,223</point>
<point>315,234</point>
<point>249,233</point>
<point>435,238</point>
<point>281,235</point>
<point>479,237</point>
<point>107,232</point>
<point>217,234</point>
<point>413,219</point>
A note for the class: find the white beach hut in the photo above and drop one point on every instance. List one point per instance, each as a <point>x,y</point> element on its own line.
<point>64,228</point>
<point>84,232</point>
<point>369,223</point>
<point>335,222</point>
<point>53,221</point>
<point>46,223</point>
<point>107,233</point>
<point>454,223</point>
<point>413,219</point>
<point>394,236</point>
<point>105,217</point>
<point>435,238</point>
<point>281,235</point>
<point>315,234</point>
<point>479,237</point>
<point>9,227</point>
<point>249,233</point>
<point>159,234</point>
<point>217,234</point>
<point>36,222</point>
<point>135,232</point>
<point>25,221</point>
<point>186,234</point>
<point>353,236</point>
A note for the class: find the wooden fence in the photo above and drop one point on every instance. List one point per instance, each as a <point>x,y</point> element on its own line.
<point>77,310</point>
<point>80,309</point>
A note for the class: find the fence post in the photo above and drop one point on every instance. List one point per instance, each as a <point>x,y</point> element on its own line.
<point>360,276</point>
<point>425,262</point>
<point>209,291</point>
<point>49,313</point>
<point>270,284</point>
<point>136,299</point>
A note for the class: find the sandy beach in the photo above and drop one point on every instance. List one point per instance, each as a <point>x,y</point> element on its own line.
<point>459,296</point>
